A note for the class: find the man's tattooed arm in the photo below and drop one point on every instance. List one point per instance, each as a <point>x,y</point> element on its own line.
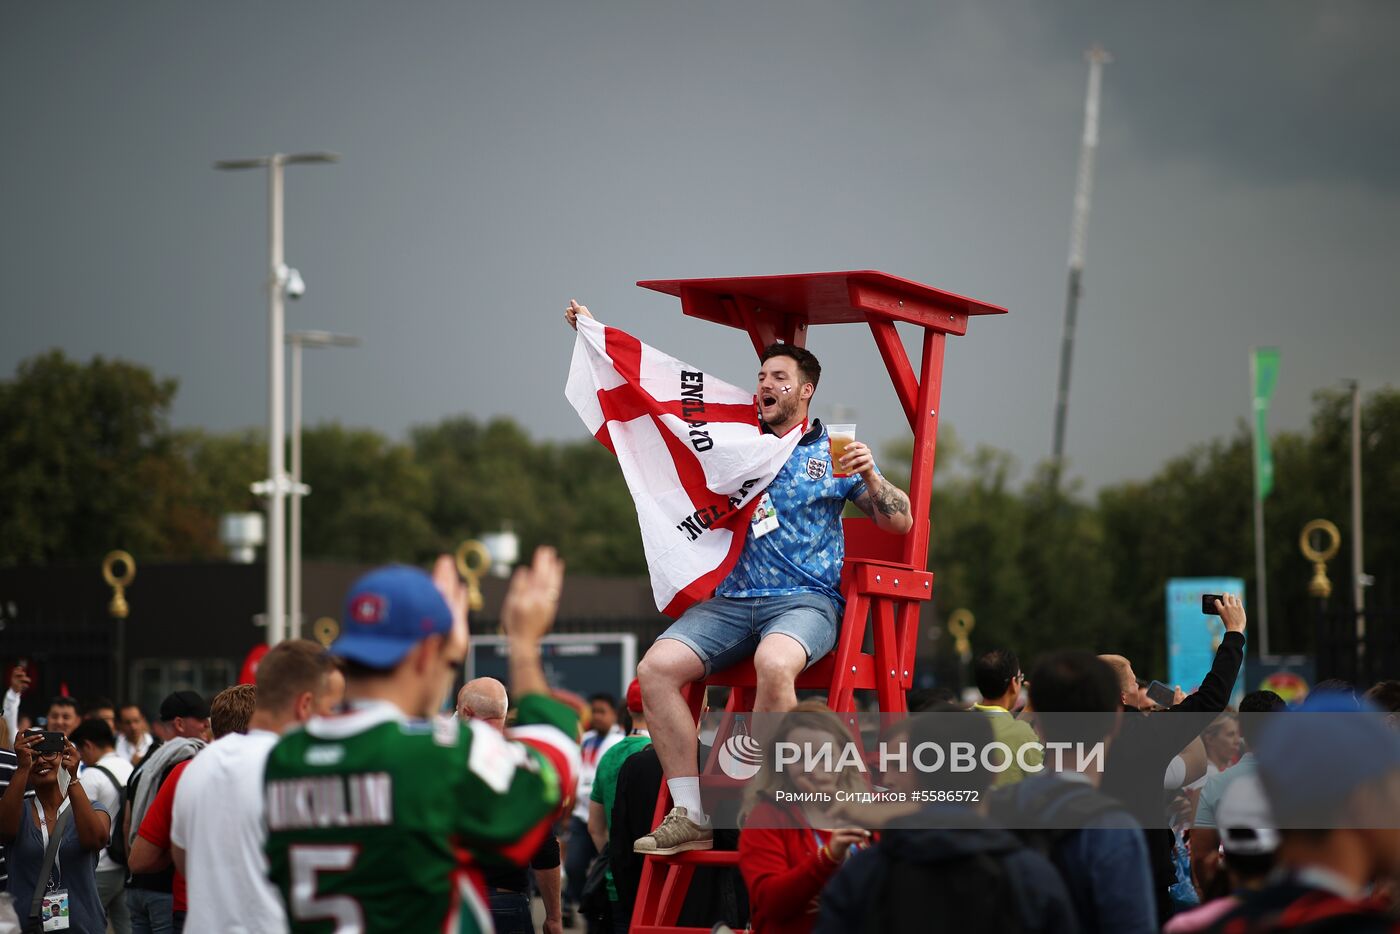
<point>890,501</point>
<point>887,505</point>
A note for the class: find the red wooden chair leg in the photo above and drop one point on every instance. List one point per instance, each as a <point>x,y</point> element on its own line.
<point>673,893</point>
<point>842,693</point>
<point>649,892</point>
<point>888,679</point>
<point>907,632</point>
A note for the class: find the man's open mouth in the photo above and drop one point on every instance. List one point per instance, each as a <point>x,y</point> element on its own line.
<point>768,400</point>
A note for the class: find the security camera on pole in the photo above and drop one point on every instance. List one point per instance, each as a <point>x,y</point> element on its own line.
<point>284,281</point>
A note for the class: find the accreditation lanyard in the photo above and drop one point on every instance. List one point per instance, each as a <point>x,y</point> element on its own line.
<point>44,833</point>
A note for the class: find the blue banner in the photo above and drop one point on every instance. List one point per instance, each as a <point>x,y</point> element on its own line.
<point>1193,636</point>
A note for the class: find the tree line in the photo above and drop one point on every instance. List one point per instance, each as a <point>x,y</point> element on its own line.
<point>89,462</point>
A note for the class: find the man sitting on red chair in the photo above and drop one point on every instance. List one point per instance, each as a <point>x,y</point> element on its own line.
<point>781,604</point>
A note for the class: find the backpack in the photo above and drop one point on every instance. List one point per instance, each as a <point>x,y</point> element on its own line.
<point>1069,803</point>
<point>967,894</point>
<point>595,903</point>
<point>116,841</point>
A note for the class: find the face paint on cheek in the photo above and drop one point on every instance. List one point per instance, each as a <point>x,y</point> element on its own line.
<point>787,389</point>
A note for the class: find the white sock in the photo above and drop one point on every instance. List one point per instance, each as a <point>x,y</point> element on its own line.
<point>685,793</point>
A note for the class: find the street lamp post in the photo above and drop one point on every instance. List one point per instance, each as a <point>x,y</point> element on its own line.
<point>281,282</point>
<point>1360,580</point>
<point>297,489</point>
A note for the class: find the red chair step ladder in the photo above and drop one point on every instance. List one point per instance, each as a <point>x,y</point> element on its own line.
<point>885,579</point>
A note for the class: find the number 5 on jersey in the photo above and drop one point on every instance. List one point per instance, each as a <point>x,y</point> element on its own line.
<point>308,861</point>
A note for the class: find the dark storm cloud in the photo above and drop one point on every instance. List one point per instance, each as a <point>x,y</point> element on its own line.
<point>1265,92</point>
<point>502,158</point>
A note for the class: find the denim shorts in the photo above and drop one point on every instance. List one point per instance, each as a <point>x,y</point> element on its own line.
<point>725,630</point>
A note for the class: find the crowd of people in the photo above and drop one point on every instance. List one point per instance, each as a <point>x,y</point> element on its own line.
<point>336,792</point>
<point>1200,817</point>
<point>218,816</point>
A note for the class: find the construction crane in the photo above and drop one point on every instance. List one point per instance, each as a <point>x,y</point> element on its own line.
<point>1079,230</point>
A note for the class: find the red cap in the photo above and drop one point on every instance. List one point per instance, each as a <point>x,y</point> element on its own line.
<point>634,696</point>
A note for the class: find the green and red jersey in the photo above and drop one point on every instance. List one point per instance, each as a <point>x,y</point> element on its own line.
<point>380,822</point>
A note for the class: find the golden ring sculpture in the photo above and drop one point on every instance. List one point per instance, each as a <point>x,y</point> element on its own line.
<point>472,571</point>
<point>1320,586</point>
<point>324,630</point>
<point>960,624</point>
<point>118,608</point>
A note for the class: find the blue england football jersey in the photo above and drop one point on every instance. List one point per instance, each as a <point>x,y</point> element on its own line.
<point>804,553</point>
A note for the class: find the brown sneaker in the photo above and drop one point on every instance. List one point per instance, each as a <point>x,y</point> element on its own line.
<point>676,834</point>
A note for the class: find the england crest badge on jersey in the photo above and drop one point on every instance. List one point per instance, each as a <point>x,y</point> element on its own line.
<point>816,467</point>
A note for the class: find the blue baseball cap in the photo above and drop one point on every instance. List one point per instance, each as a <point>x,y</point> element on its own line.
<point>387,612</point>
<point>1312,759</point>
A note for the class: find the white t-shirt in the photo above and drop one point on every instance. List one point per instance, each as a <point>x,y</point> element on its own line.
<point>100,790</point>
<point>11,713</point>
<point>126,750</point>
<point>591,749</point>
<point>1176,774</point>
<point>1198,784</point>
<point>218,821</point>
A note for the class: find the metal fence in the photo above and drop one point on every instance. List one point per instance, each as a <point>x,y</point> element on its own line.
<point>1364,662</point>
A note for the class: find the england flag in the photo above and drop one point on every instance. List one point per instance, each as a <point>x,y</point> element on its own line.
<point>690,448</point>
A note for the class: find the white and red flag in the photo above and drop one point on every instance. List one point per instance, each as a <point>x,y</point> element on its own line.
<point>690,448</point>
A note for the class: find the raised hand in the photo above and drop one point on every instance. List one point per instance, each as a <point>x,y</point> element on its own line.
<point>24,748</point>
<point>19,679</point>
<point>71,759</point>
<point>533,597</point>
<point>528,613</point>
<point>843,839</point>
<point>571,314</point>
<point>1231,612</point>
<point>453,589</point>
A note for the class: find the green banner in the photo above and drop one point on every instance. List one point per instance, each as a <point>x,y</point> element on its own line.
<point>1264,366</point>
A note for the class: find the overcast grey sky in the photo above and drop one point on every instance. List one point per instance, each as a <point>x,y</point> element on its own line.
<point>500,158</point>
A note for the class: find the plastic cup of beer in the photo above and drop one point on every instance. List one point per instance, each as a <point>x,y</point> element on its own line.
<point>840,436</point>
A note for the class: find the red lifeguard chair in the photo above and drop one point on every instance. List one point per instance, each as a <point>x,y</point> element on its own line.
<point>885,578</point>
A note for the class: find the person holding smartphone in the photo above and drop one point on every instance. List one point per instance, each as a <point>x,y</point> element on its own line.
<point>1139,757</point>
<point>69,892</point>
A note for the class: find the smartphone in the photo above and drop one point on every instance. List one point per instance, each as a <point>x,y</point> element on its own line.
<point>1208,603</point>
<point>1160,694</point>
<point>52,742</point>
